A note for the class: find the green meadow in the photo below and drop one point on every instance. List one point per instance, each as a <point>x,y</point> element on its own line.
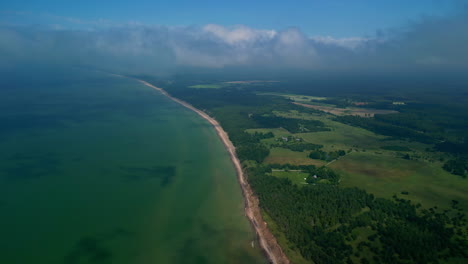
<point>384,176</point>
<point>373,162</point>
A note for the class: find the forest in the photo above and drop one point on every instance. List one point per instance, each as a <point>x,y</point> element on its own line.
<point>326,156</point>
<point>320,219</point>
<point>292,125</point>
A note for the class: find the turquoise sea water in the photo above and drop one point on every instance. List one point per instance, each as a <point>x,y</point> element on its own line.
<point>101,169</point>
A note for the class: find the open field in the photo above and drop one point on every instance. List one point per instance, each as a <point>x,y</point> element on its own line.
<point>296,97</point>
<point>380,171</point>
<point>341,136</point>
<point>314,103</point>
<point>385,176</point>
<point>344,137</point>
<point>283,156</point>
<point>296,177</point>
<point>362,112</point>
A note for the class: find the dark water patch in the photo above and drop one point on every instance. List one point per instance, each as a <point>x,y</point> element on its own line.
<point>191,253</point>
<point>24,167</point>
<point>10,125</point>
<point>89,250</point>
<point>164,173</point>
<point>117,233</point>
<point>77,159</point>
<point>93,250</point>
<point>208,230</point>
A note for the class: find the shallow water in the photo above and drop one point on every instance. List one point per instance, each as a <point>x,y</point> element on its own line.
<point>101,169</point>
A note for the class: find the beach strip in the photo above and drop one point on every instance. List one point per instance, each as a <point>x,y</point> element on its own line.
<point>267,241</point>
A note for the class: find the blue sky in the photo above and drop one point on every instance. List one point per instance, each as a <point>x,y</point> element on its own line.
<point>322,35</point>
<point>337,18</point>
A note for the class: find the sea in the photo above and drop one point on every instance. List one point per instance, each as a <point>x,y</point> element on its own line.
<point>96,168</point>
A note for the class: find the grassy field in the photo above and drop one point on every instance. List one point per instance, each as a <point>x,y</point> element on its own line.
<point>362,112</point>
<point>379,171</point>
<point>345,137</point>
<point>341,136</point>
<point>283,156</point>
<point>315,103</point>
<point>296,177</point>
<point>385,176</point>
<point>296,97</point>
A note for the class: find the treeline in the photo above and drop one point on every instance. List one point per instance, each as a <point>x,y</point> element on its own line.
<point>453,147</point>
<point>290,124</point>
<point>383,128</point>
<point>337,102</point>
<point>249,146</point>
<point>326,156</point>
<point>321,220</point>
<point>298,147</point>
<point>458,166</point>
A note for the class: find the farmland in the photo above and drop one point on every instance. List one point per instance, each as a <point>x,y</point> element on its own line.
<point>362,112</point>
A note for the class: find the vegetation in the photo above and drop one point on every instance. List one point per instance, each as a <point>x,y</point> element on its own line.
<point>320,219</point>
<point>347,211</point>
<point>396,148</point>
<point>327,156</point>
<point>299,147</point>
<point>387,129</point>
<point>292,125</point>
<point>457,166</point>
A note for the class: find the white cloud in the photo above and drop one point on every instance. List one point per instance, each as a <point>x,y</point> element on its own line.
<point>140,47</point>
<point>349,43</point>
<point>238,34</point>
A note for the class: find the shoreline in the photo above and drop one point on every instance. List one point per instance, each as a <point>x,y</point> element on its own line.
<point>267,241</point>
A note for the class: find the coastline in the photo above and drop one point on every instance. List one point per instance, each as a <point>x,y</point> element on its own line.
<point>267,241</point>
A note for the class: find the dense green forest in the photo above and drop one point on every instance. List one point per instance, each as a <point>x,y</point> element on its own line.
<point>320,219</point>
<point>387,129</point>
<point>292,125</point>
<point>298,146</point>
<point>327,156</point>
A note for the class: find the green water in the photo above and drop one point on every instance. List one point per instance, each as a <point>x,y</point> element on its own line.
<point>101,169</point>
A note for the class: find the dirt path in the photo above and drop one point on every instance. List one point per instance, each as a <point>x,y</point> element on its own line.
<point>266,239</point>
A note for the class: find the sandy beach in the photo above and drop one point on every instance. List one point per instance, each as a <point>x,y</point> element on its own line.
<point>267,241</point>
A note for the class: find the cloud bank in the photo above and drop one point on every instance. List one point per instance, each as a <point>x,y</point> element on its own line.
<point>430,43</point>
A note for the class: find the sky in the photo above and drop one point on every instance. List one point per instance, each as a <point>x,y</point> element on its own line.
<point>158,37</point>
<point>336,18</point>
